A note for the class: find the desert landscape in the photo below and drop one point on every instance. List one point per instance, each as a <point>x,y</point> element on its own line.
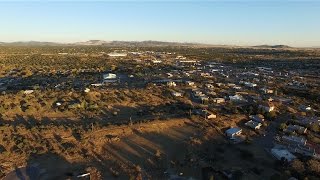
<point>160,112</point>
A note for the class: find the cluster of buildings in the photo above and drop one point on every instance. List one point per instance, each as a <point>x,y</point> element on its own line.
<point>218,85</point>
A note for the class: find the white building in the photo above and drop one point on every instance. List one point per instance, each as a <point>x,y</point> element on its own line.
<point>97,84</point>
<point>282,153</point>
<point>171,84</point>
<point>218,100</point>
<point>156,61</point>
<point>181,57</point>
<point>266,90</point>
<point>109,76</point>
<point>249,84</point>
<point>87,90</point>
<point>236,98</point>
<point>26,92</point>
<point>177,94</point>
<point>190,83</point>
<point>209,86</point>
<point>115,54</point>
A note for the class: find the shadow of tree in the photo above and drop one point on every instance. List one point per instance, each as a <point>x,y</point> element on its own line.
<point>64,146</point>
<point>46,166</point>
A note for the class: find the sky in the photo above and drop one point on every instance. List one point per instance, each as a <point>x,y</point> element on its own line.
<point>229,22</point>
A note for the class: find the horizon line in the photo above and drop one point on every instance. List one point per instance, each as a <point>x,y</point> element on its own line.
<point>179,42</point>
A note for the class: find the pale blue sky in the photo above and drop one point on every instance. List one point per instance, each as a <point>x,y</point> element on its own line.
<point>237,22</point>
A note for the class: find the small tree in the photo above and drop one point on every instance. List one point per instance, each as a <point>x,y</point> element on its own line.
<point>315,127</point>
<point>283,126</point>
<point>298,166</point>
<point>314,166</point>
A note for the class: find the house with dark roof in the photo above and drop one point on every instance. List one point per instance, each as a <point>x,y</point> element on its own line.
<point>294,140</point>
<point>253,124</point>
<point>235,131</point>
<point>257,118</point>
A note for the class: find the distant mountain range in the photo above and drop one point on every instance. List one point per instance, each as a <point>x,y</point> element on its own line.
<point>273,46</point>
<point>131,43</point>
<point>128,44</point>
<point>97,43</point>
<point>30,43</point>
<point>92,42</point>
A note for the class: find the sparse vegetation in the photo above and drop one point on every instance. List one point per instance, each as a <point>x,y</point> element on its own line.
<point>54,103</point>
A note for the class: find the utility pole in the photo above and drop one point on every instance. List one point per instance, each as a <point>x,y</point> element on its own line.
<point>131,121</point>
<point>92,128</point>
<point>205,114</point>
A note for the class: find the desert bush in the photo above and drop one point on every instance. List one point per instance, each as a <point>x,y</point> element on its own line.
<point>2,149</point>
<point>283,126</point>
<point>314,166</point>
<point>114,172</point>
<point>315,127</point>
<point>158,154</point>
<point>298,166</point>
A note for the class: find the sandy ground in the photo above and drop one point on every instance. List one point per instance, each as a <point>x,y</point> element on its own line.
<point>152,150</point>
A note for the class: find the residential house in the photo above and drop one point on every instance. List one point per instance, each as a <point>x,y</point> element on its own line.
<point>232,132</point>
<point>283,100</point>
<point>115,54</point>
<point>87,90</point>
<point>250,85</point>
<point>282,154</point>
<point>198,95</point>
<point>181,57</point>
<point>204,113</point>
<point>109,76</point>
<point>270,99</point>
<point>156,61</point>
<point>303,150</point>
<point>237,98</point>
<point>237,87</point>
<point>211,116</point>
<point>171,84</point>
<point>169,75</point>
<point>204,98</point>
<point>231,85</point>
<point>294,140</point>
<point>218,100</point>
<point>266,90</point>
<point>209,86</point>
<point>190,83</point>
<point>26,92</point>
<point>212,93</point>
<point>305,108</point>
<point>97,84</point>
<point>219,84</point>
<point>205,75</point>
<point>308,120</point>
<point>177,94</point>
<point>268,107</point>
<point>253,124</point>
<point>296,128</point>
<point>257,118</point>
